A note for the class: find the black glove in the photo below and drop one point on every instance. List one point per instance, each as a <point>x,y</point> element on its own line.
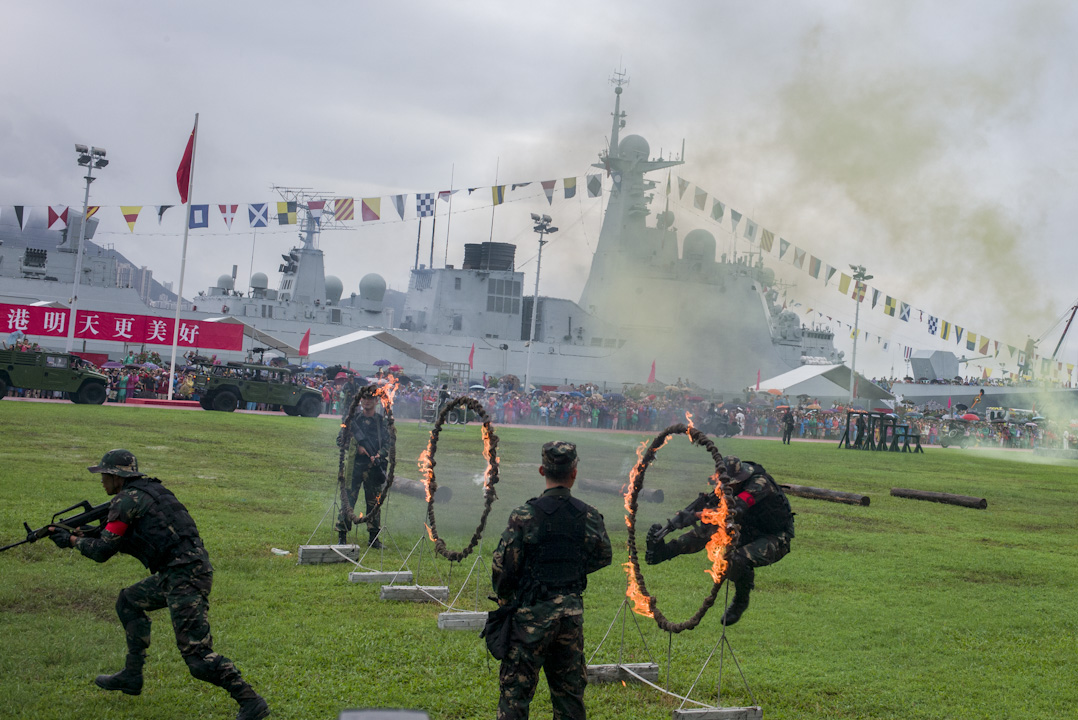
<point>62,538</point>
<point>656,546</point>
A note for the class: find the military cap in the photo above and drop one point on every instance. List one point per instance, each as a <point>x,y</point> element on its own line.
<point>118,462</point>
<point>559,455</point>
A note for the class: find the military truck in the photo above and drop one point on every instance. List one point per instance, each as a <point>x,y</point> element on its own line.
<point>222,387</point>
<point>47,370</point>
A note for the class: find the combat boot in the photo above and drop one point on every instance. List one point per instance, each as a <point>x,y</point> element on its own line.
<point>254,709</point>
<point>342,537</point>
<point>375,544</point>
<point>743,585</point>
<point>128,681</point>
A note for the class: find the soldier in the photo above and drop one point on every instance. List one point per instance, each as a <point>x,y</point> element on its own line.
<point>371,435</point>
<point>767,527</point>
<point>147,521</point>
<point>787,426</point>
<point>541,567</point>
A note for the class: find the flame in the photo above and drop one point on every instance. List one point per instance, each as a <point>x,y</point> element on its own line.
<point>388,391</point>
<point>430,533</point>
<point>688,419</point>
<point>720,540</point>
<point>634,474</point>
<point>623,684</point>
<point>641,604</point>
<point>425,470</point>
<point>488,453</point>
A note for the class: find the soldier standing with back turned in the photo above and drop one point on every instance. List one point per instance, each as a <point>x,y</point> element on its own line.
<point>147,521</point>
<point>541,566</point>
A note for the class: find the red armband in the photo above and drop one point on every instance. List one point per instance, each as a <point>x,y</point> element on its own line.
<point>747,498</point>
<point>116,527</point>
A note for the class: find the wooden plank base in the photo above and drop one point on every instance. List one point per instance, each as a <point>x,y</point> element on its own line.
<point>381,576</point>
<point>415,593</point>
<point>462,620</point>
<point>321,554</point>
<point>616,673</point>
<point>724,713</point>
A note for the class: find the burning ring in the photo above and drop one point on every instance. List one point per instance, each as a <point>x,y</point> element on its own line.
<point>426,469</point>
<point>384,393</point>
<point>721,541</point>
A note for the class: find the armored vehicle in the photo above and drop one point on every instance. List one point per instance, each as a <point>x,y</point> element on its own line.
<point>223,387</point>
<point>45,370</point>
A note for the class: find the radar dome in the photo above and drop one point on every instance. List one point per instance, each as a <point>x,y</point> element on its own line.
<point>633,147</point>
<point>225,282</point>
<point>699,245</point>
<point>334,289</point>
<point>372,287</point>
<point>259,281</point>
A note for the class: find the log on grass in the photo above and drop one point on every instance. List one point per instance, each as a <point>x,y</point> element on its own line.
<point>612,487</point>
<point>414,488</point>
<point>824,494</point>
<point>619,673</point>
<point>947,498</point>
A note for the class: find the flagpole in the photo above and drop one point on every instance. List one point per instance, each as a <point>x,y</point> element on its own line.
<point>497,166</point>
<point>418,237</point>
<point>183,263</point>
<point>449,219</point>
<point>433,227</point>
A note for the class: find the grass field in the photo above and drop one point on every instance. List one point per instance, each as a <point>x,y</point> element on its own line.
<point>902,609</point>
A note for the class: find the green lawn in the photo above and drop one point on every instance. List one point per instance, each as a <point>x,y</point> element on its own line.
<point>902,609</point>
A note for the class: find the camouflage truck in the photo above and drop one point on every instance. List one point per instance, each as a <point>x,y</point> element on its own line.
<point>223,387</point>
<point>46,370</point>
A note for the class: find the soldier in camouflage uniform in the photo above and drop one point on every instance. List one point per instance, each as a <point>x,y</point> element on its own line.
<point>370,432</point>
<point>541,566</point>
<point>147,521</point>
<point>767,527</point>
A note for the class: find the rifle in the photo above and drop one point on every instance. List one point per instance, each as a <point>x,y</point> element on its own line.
<point>74,524</point>
<point>684,518</point>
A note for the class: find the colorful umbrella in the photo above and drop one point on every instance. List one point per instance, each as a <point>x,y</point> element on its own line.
<point>381,363</point>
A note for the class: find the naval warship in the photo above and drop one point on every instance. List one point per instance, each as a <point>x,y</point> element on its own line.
<point>716,322</point>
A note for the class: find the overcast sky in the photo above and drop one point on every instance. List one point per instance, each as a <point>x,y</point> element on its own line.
<point>932,142</point>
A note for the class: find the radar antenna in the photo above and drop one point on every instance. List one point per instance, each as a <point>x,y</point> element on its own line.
<point>313,222</point>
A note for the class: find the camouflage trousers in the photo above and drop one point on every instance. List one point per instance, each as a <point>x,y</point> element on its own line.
<point>557,647</point>
<point>372,480</point>
<point>757,552</point>
<point>185,592</point>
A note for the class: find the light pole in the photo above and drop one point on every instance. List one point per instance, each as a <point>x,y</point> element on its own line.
<point>860,277</point>
<point>543,227</point>
<point>90,158</point>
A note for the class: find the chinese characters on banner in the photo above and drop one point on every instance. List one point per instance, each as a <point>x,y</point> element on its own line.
<point>132,329</point>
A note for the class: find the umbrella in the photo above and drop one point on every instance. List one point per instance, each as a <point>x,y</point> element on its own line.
<point>971,417</point>
<point>112,365</point>
<point>1036,418</point>
<point>914,415</point>
<point>774,391</point>
<point>381,363</point>
<point>813,406</point>
<point>575,393</point>
<point>478,387</point>
<point>315,366</point>
<point>782,407</point>
<point>149,366</point>
<point>395,368</point>
<point>960,407</point>
<point>341,376</point>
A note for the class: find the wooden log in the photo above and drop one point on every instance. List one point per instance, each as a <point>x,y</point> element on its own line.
<point>947,498</point>
<point>383,576</point>
<point>829,495</point>
<point>466,620</point>
<point>721,713</point>
<point>321,554</point>
<point>414,488</point>
<point>617,673</point>
<point>612,487</point>
<point>415,593</point>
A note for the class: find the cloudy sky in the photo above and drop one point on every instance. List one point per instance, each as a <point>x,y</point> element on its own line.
<point>932,142</point>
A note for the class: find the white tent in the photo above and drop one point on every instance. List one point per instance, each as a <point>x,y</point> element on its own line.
<point>831,382</point>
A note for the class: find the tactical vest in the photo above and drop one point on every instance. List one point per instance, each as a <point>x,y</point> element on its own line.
<point>164,532</point>
<point>772,515</point>
<point>555,564</point>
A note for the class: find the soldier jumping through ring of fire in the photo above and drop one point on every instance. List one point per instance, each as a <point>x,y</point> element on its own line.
<point>767,527</point>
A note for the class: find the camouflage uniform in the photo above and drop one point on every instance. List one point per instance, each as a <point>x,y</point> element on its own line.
<point>767,527</point>
<point>147,521</point>
<point>548,628</point>
<point>372,433</point>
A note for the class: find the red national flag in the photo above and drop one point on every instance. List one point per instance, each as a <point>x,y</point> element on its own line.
<point>651,377</point>
<point>183,173</point>
<point>471,358</point>
<point>757,381</point>
<point>305,344</point>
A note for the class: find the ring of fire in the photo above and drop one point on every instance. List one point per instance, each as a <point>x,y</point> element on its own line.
<point>722,539</point>
<point>426,471</point>
<point>385,393</point>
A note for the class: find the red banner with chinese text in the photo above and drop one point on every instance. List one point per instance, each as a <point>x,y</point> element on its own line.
<point>118,327</point>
